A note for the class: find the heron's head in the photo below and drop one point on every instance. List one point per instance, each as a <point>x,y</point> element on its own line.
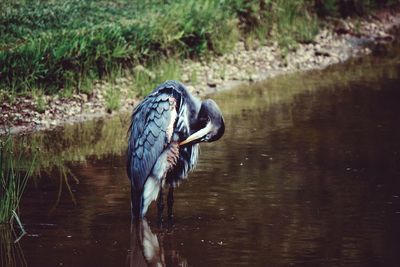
<point>209,126</point>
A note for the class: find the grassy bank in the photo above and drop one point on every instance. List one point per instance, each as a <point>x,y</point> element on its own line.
<point>54,46</point>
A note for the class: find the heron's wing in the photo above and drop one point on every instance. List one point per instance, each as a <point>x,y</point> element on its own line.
<point>151,131</point>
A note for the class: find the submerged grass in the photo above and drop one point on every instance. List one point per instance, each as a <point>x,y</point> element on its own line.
<point>13,178</point>
<point>11,252</point>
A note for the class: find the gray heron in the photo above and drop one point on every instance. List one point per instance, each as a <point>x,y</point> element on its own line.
<point>166,129</point>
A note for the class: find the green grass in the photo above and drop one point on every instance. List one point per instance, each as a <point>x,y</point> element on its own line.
<point>146,79</point>
<point>64,46</point>
<point>14,175</point>
<point>194,77</point>
<point>40,101</point>
<point>57,45</point>
<point>294,23</point>
<point>113,99</point>
<point>11,251</point>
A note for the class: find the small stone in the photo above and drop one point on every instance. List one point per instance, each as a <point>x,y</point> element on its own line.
<point>253,78</point>
<point>367,50</point>
<point>45,123</point>
<point>185,77</point>
<point>212,84</point>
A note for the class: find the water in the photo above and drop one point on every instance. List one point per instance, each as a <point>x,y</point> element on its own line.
<point>307,174</point>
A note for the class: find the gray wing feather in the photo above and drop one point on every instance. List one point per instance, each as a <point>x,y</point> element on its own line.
<point>148,137</point>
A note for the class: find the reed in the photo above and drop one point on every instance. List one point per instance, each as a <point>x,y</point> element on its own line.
<point>11,252</point>
<point>14,175</point>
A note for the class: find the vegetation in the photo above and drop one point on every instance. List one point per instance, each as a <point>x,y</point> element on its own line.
<point>147,79</point>
<point>112,99</point>
<point>63,46</point>
<point>57,44</point>
<point>346,8</point>
<point>10,250</point>
<point>13,178</point>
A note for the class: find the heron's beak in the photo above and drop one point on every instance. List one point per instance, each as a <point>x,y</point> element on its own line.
<point>197,135</point>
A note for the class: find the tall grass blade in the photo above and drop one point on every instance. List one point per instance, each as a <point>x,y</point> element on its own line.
<point>14,174</point>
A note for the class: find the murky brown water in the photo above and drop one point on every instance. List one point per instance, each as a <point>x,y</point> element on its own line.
<point>308,174</point>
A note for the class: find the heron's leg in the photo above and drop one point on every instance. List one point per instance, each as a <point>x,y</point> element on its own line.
<point>170,201</point>
<point>135,205</point>
<point>160,204</point>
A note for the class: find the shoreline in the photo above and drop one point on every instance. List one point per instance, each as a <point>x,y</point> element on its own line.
<point>338,41</point>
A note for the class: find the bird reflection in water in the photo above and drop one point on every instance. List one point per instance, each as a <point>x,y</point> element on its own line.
<point>147,248</point>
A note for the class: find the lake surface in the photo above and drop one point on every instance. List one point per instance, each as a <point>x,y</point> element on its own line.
<point>307,174</point>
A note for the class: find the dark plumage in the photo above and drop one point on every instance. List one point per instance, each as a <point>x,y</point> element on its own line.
<point>166,129</point>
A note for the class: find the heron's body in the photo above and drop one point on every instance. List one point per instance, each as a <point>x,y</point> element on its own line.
<point>156,151</point>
